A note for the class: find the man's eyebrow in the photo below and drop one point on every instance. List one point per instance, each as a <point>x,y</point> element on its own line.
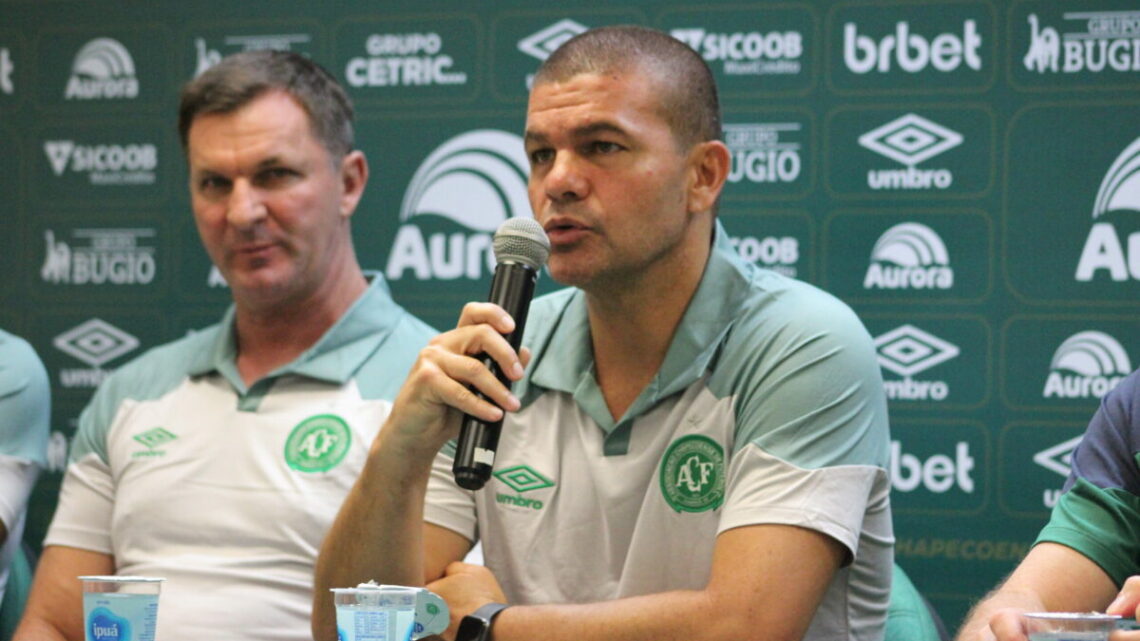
<point>585,131</point>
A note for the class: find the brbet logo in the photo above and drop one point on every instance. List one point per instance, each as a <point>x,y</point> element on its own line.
<point>758,154</point>
<point>747,53</point>
<point>103,69</point>
<point>939,473</point>
<point>906,351</point>
<point>1098,41</point>
<point>909,256</point>
<point>6,69</point>
<point>910,140</point>
<point>475,180</point>
<point>403,60</point>
<point>912,52</point>
<point>94,342</point>
<point>100,257</point>
<point>1119,191</point>
<point>1087,365</point>
<point>104,164</point>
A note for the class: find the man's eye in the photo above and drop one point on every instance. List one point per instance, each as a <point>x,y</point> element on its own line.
<point>275,175</point>
<point>604,147</point>
<point>540,156</point>
<point>212,184</point>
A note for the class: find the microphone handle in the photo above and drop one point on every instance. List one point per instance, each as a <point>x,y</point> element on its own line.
<point>512,288</point>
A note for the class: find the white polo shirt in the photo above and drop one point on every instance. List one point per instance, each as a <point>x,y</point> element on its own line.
<point>179,471</point>
<point>768,408</point>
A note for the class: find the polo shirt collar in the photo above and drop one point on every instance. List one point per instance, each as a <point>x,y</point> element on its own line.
<point>567,362</point>
<point>336,355</point>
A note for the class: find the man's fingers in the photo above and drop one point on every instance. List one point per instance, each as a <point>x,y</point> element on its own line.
<point>486,314</point>
<point>461,371</point>
<point>1007,626</point>
<point>483,339</point>
<point>1129,597</point>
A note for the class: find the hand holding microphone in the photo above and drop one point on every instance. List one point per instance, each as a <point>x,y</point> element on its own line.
<point>521,249</point>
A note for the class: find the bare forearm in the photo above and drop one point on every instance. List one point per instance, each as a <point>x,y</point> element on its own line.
<point>668,616</point>
<point>977,626</point>
<point>377,535</point>
<point>35,629</point>
<point>55,605</point>
<point>1051,577</point>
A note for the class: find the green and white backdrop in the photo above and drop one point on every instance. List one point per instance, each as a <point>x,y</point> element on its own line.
<point>964,173</point>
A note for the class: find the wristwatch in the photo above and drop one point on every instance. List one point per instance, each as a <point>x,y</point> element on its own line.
<point>477,625</point>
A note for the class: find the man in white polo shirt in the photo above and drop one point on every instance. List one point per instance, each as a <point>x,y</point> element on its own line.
<point>219,460</point>
<point>698,448</point>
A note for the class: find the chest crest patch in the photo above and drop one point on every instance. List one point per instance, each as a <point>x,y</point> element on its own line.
<point>692,474</point>
<point>318,443</point>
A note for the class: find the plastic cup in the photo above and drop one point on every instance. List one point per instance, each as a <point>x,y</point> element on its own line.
<point>1069,626</point>
<point>368,613</point>
<point>120,608</point>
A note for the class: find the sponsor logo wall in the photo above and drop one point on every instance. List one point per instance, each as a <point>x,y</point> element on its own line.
<point>977,203</point>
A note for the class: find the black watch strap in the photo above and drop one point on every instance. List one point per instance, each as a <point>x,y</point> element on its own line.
<point>477,625</point>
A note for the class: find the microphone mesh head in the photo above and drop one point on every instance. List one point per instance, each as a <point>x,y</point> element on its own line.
<point>521,240</point>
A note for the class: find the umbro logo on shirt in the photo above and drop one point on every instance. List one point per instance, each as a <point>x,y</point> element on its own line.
<point>522,478</point>
<point>152,439</point>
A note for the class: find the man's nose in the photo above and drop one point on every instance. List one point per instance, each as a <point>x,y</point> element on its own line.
<point>566,179</point>
<point>245,207</point>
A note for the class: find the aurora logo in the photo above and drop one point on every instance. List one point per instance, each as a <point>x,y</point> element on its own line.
<point>103,68</point>
<point>1120,188</point>
<point>475,180</point>
<point>1104,248</point>
<point>1087,365</point>
<point>909,256</point>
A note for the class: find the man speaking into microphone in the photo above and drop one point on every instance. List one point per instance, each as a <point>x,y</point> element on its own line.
<point>692,447</point>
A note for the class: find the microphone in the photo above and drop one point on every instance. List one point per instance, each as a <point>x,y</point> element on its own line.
<point>521,249</point>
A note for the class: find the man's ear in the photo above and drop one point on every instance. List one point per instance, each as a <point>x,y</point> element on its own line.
<point>353,177</point>
<point>709,165</point>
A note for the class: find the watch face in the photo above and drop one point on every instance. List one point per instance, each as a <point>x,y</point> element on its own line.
<point>472,629</point>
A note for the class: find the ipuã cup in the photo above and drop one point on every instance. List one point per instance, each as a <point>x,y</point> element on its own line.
<point>120,608</point>
<point>371,612</point>
<point>1069,626</point>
